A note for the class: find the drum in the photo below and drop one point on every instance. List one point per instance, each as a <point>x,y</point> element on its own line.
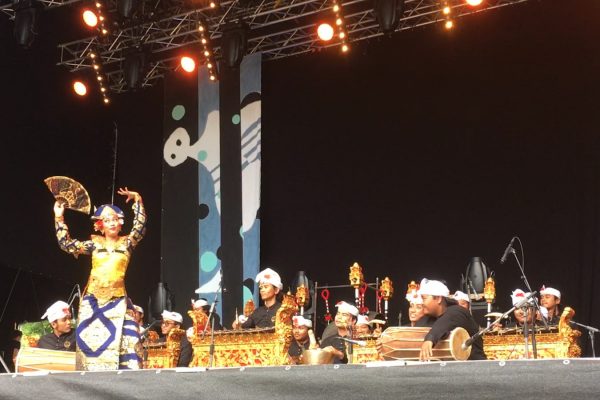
<point>36,359</point>
<point>404,343</point>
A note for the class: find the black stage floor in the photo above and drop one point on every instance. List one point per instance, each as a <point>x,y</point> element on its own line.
<point>522,379</point>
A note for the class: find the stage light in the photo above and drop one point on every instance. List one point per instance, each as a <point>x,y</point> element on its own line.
<point>336,8</point>
<point>233,44</point>
<point>79,88</point>
<point>96,67</point>
<point>25,22</point>
<point>345,48</point>
<point>449,24</point>
<point>474,3</point>
<point>213,4</point>
<point>325,32</point>
<point>188,64</point>
<point>388,13</point>
<point>90,18</point>
<point>342,35</point>
<point>104,31</point>
<point>106,101</point>
<point>446,10</point>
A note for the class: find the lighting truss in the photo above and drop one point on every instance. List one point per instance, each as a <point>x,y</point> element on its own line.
<point>278,29</point>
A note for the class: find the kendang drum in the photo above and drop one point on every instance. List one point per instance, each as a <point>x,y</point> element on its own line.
<point>404,343</point>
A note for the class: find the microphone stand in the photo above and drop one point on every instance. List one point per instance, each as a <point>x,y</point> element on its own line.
<point>537,306</point>
<point>211,320</point>
<point>470,340</point>
<point>591,331</point>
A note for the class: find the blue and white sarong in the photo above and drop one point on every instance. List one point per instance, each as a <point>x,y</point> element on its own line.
<point>107,336</point>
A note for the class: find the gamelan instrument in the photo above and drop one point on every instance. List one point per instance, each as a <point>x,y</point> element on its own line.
<point>245,347</point>
<point>316,357</point>
<point>404,343</point>
<point>36,359</point>
<point>557,342</point>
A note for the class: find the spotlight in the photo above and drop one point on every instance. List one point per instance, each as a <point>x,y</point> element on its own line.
<point>25,21</point>
<point>388,13</point>
<point>345,48</point>
<point>79,88</point>
<point>133,69</point>
<point>188,64</point>
<point>449,24</point>
<point>90,18</point>
<point>446,10</point>
<point>233,44</point>
<point>474,3</point>
<point>325,32</point>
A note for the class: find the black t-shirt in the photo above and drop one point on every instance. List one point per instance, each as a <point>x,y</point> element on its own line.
<point>262,317</point>
<point>296,348</point>
<point>338,344</point>
<point>455,317</point>
<point>64,342</point>
<point>185,357</point>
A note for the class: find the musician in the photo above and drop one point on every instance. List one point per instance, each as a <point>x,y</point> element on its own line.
<point>518,296</point>
<point>173,320</point>
<point>462,299</point>
<point>63,335</point>
<point>450,315</point>
<point>416,315</point>
<point>362,327</point>
<point>345,318</point>
<point>301,342</point>
<point>138,315</point>
<point>269,285</point>
<point>203,304</point>
<point>550,300</point>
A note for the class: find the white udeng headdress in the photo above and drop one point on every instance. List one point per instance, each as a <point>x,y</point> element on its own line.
<point>269,276</point>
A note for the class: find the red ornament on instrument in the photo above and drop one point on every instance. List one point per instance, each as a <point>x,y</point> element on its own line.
<point>325,297</point>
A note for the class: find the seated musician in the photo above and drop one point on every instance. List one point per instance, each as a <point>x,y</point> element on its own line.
<point>416,315</point>
<point>269,285</point>
<point>301,342</point>
<point>63,334</point>
<point>437,303</point>
<point>138,315</point>
<point>362,327</point>
<point>517,297</point>
<point>203,304</point>
<point>550,300</point>
<point>463,300</point>
<point>173,320</point>
<point>345,318</point>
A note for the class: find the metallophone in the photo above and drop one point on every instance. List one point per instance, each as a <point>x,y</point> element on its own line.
<point>232,348</point>
<point>557,342</point>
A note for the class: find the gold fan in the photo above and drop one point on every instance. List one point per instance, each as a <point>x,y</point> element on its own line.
<point>70,192</point>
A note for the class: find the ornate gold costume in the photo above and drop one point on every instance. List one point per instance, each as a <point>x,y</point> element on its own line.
<point>107,335</point>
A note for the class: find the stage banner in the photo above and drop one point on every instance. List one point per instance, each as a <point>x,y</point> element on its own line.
<point>211,181</point>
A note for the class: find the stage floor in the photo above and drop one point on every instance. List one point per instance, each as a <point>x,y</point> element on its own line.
<point>522,379</point>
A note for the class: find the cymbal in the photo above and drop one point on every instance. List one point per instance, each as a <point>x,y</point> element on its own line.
<point>493,315</point>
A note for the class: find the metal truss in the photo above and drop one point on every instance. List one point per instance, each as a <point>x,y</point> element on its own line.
<point>277,29</point>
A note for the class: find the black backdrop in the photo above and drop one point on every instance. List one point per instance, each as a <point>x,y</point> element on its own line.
<point>410,155</point>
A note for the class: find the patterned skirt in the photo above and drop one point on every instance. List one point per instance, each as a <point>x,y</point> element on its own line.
<point>107,336</point>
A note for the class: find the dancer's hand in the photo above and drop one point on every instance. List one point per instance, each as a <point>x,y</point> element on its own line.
<point>426,351</point>
<point>59,209</point>
<point>130,194</point>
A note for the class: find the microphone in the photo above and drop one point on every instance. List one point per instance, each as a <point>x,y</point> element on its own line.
<point>361,343</point>
<point>525,300</point>
<point>508,249</point>
<point>144,331</point>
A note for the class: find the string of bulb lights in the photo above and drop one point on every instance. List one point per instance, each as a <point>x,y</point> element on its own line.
<point>144,47</point>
